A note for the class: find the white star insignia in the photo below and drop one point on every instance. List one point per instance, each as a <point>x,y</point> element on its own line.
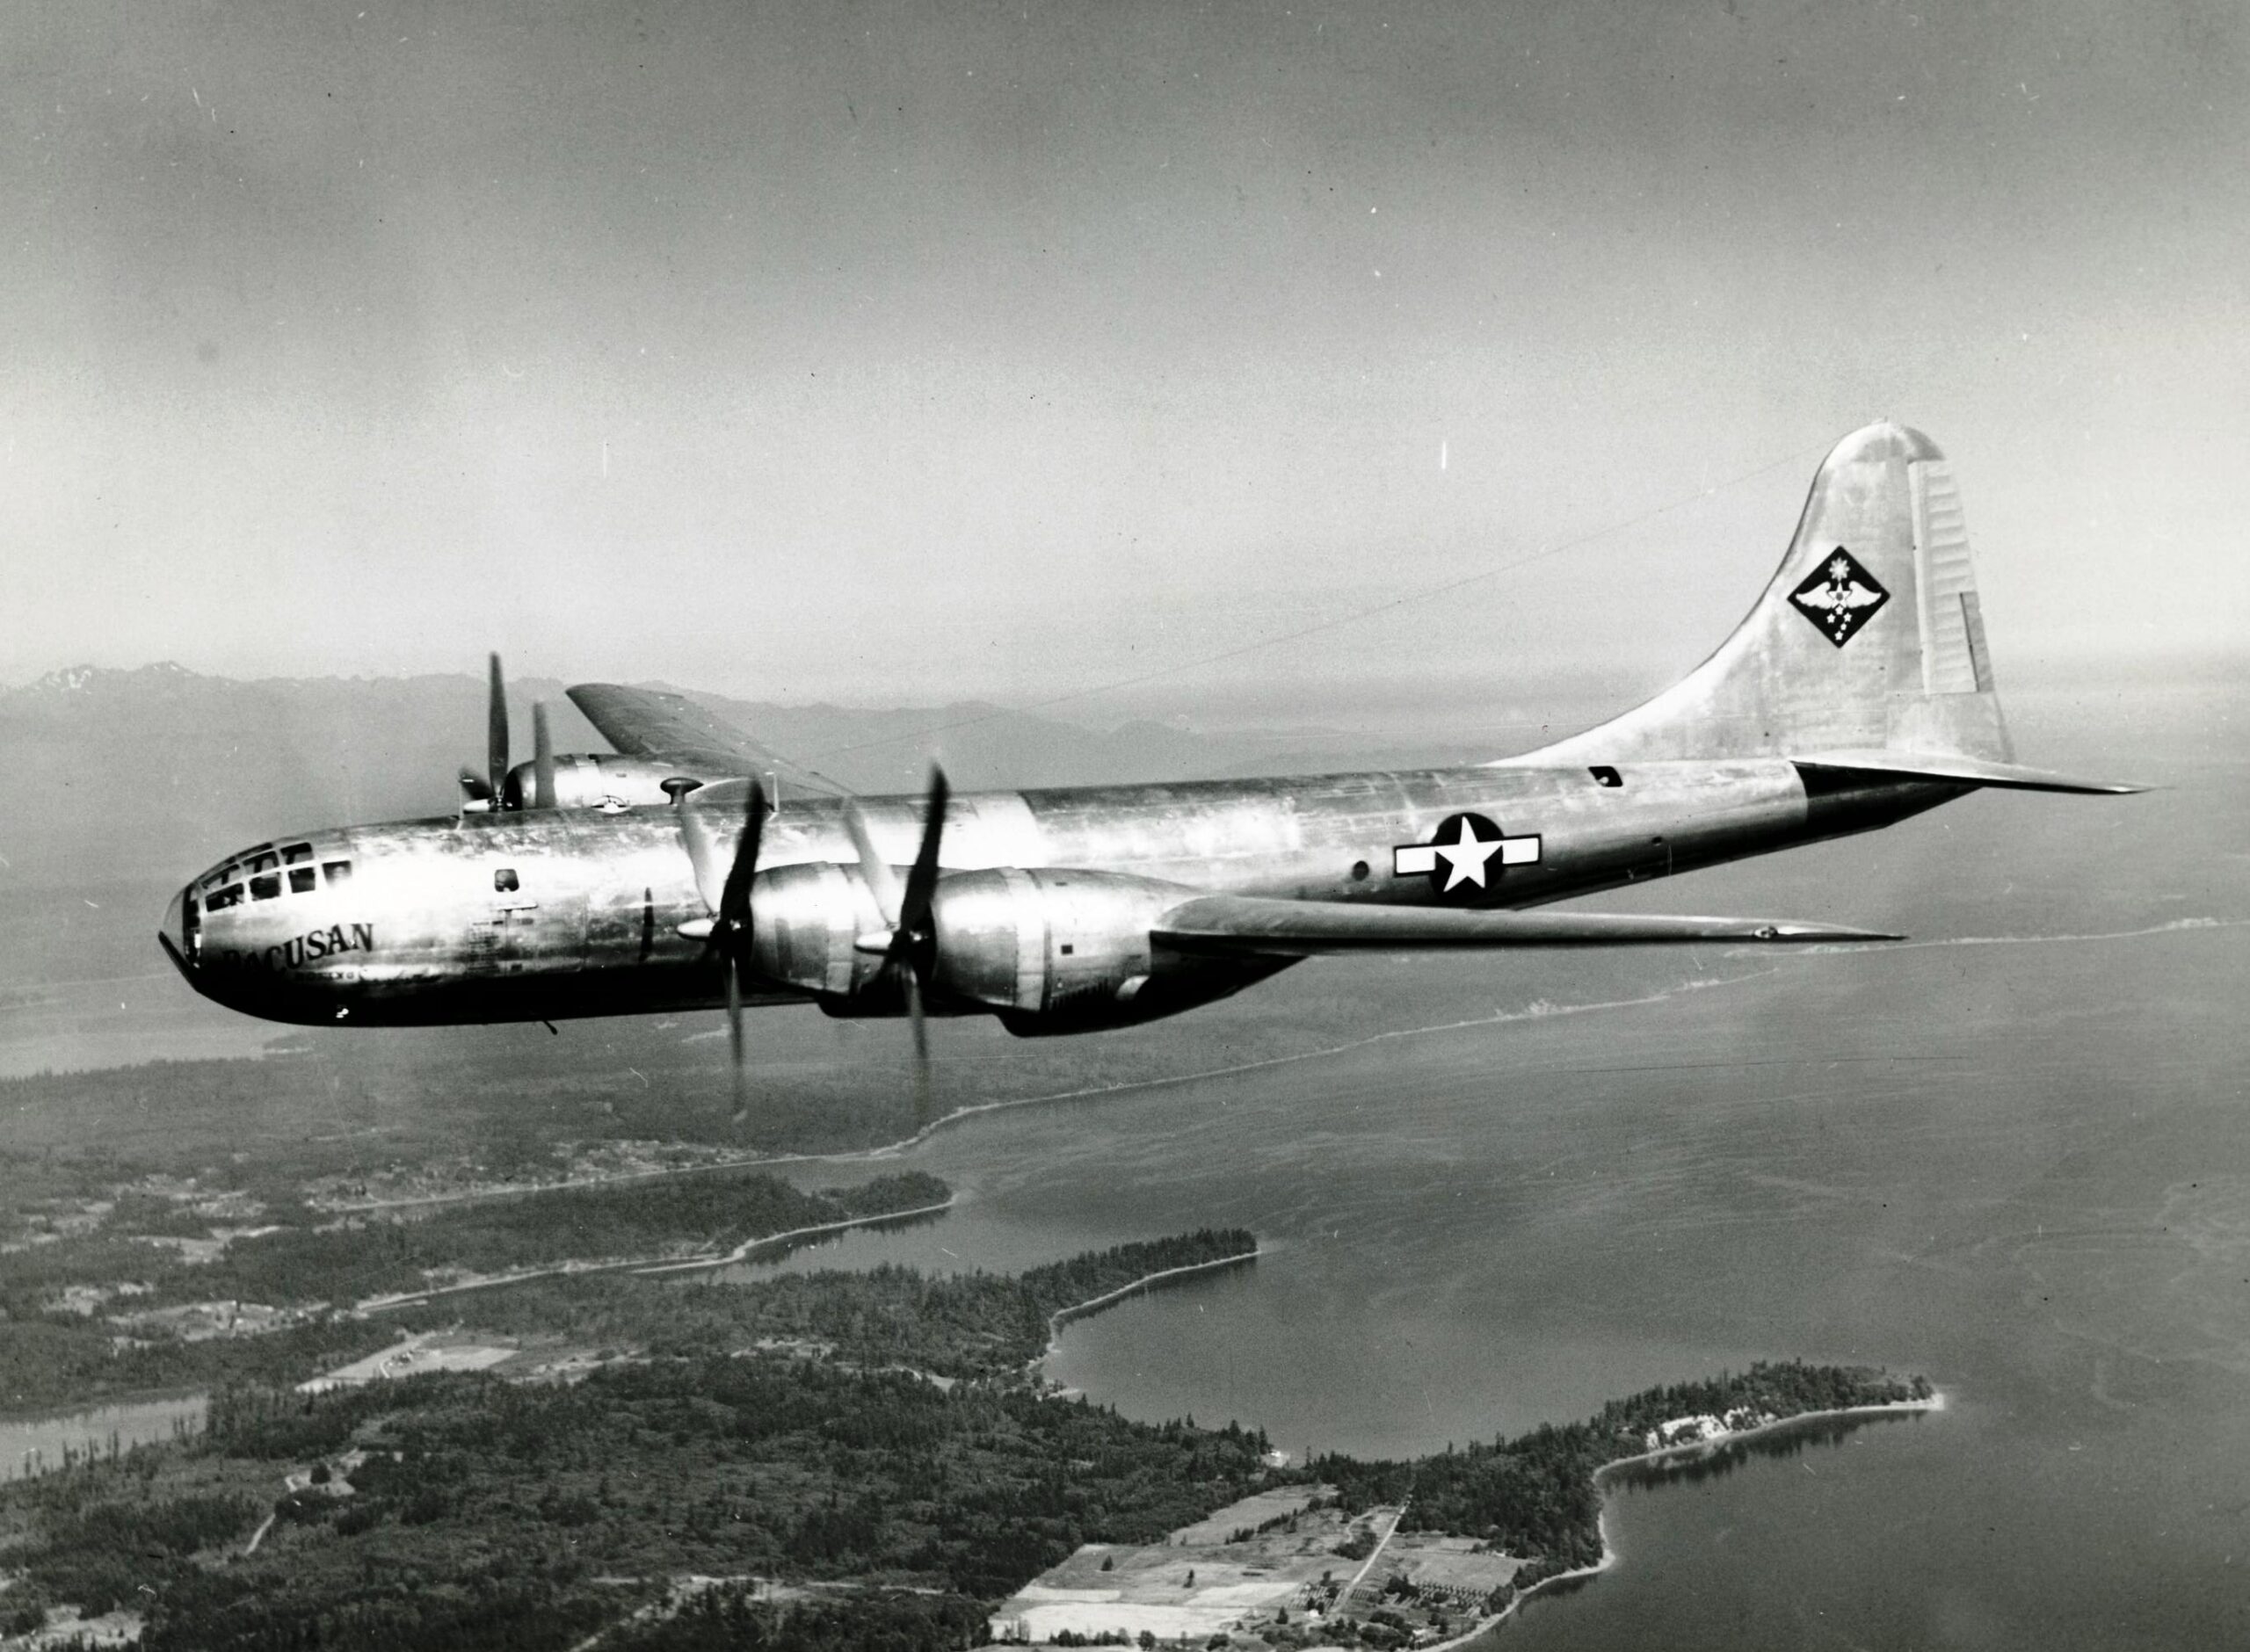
<point>1466,856</point>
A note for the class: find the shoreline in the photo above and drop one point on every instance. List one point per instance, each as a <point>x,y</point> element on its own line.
<point>1536,1011</point>
<point>1612,1557</point>
<point>519,1190</point>
<point>160,1396</point>
<point>1935,1403</point>
<point>1064,1316</point>
<point>741,1252</point>
<point>644,1265</point>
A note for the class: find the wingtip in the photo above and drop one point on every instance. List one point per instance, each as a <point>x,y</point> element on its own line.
<point>1836,932</point>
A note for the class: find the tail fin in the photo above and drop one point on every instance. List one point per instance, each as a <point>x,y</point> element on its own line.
<point>1868,639</point>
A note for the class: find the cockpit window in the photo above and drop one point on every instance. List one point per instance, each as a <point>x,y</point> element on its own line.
<point>300,880</point>
<point>266,862</point>
<point>220,899</point>
<point>336,870</point>
<point>265,887</point>
<point>224,874</point>
<point>296,852</point>
<point>505,880</point>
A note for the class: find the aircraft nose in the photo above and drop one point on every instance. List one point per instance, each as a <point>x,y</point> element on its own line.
<point>172,932</point>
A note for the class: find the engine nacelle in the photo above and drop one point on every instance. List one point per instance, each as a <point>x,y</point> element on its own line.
<point>1064,951</point>
<point>804,920</point>
<point>598,780</point>
<point>1048,951</point>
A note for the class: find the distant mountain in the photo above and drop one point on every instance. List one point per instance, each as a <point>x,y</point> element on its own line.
<point>131,776</point>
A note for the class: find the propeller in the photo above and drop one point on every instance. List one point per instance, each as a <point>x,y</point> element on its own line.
<point>543,761</point>
<point>911,946</point>
<point>485,788</point>
<point>496,734</point>
<point>491,788</point>
<point>730,929</point>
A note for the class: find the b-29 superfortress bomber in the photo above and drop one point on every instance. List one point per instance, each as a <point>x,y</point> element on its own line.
<point>659,877</point>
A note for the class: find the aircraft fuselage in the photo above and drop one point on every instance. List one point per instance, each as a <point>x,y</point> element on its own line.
<point>554,913</point>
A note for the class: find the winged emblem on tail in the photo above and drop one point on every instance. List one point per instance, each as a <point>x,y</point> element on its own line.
<point>1839,597</point>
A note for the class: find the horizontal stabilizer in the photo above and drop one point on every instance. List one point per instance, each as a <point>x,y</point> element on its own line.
<point>1963,771</point>
<point>1236,924</point>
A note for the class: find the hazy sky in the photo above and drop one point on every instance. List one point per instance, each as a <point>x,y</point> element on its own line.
<point>894,353</point>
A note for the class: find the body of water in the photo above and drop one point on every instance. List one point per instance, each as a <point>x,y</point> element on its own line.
<point>41,1445</point>
<point>2014,1155</point>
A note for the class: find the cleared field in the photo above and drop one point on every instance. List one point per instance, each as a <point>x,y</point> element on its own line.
<point>412,1358</point>
<point>1247,1515</point>
<point>1460,1564</point>
<point>1197,1583</point>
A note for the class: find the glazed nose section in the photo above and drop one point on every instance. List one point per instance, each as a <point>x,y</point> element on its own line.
<point>171,934</point>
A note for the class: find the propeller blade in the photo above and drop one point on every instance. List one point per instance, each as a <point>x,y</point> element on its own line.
<point>922,877</point>
<point>733,1035</point>
<point>734,933</point>
<point>706,850</point>
<point>733,894</point>
<point>496,734</point>
<point>882,882</point>
<point>727,895</point>
<point>542,758</point>
<point>473,787</point>
<point>920,1023</point>
<point>913,946</point>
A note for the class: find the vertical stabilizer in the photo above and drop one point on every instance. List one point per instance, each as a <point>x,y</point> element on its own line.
<point>1868,639</point>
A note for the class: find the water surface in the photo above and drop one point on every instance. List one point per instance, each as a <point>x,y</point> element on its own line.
<point>41,1445</point>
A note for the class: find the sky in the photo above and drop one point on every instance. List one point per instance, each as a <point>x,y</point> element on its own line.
<point>896,354</point>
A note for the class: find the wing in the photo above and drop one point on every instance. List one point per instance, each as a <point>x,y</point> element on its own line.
<point>643,722</point>
<point>1241,923</point>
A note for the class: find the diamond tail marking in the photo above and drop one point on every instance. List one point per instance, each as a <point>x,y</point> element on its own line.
<point>1839,597</point>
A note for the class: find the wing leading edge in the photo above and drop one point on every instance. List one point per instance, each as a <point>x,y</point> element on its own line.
<point>1239,924</point>
<point>645,722</point>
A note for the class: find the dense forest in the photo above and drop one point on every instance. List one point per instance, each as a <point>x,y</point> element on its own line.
<point>59,1361</point>
<point>960,1325</point>
<point>53,1357</point>
<point>306,1259</point>
<point>896,1507</point>
<point>686,1213</point>
<point>733,1618</point>
<point>461,1510</point>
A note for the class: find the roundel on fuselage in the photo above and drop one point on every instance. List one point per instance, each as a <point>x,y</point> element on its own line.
<point>1464,857</point>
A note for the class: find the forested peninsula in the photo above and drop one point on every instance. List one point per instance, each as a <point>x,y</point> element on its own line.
<point>609,1460</point>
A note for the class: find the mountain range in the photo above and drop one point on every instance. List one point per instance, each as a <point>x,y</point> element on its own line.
<point>134,775</point>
